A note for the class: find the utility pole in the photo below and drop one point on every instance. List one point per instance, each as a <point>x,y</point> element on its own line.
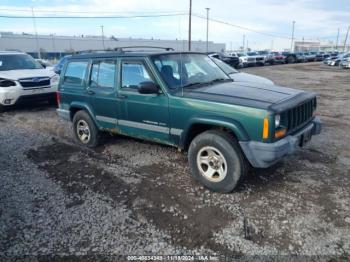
<point>243,43</point>
<point>103,38</point>
<point>189,26</point>
<point>36,34</point>
<point>346,38</point>
<point>207,28</point>
<point>336,45</point>
<point>291,44</point>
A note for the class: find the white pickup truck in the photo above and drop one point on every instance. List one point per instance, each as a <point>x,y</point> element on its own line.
<point>22,78</point>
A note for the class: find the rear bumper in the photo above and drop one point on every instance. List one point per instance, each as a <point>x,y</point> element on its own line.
<point>64,114</point>
<point>262,155</point>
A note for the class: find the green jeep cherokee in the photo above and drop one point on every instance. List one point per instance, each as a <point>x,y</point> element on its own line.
<point>184,99</point>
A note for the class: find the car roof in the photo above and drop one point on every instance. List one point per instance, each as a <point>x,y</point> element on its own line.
<point>110,54</point>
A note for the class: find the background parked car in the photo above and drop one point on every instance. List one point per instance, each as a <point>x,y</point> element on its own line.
<point>310,57</point>
<point>238,76</point>
<point>336,61</point>
<point>290,58</point>
<point>320,56</point>
<point>277,57</point>
<point>345,63</point>
<point>300,57</point>
<point>228,59</point>
<point>268,56</point>
<point>259,59</point>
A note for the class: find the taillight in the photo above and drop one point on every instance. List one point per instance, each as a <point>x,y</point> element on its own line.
<point>58,98</point>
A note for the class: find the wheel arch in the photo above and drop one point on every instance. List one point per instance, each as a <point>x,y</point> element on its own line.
<point>77,106</point>
<point>200,125</point>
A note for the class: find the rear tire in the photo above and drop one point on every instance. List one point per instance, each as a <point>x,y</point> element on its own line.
<point>216,160</point>
<point>85,130</point>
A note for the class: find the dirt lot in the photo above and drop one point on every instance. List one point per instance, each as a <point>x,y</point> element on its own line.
<point>130,197</point>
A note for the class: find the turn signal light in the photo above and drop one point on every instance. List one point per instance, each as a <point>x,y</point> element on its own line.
<point>266,128</point>
<point>280,133</point>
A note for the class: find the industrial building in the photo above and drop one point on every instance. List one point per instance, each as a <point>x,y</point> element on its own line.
<point>320,45</point>
<point>53,46</point>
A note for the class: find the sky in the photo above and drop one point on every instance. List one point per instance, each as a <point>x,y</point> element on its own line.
<point>314,19</point>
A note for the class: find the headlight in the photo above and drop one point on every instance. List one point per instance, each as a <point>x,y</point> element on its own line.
<point>6,82</point>
<point>277,120</point>
<point>55,79</point>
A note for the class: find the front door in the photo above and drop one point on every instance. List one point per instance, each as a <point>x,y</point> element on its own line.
<point>102,91</point>
<point>141,115</point>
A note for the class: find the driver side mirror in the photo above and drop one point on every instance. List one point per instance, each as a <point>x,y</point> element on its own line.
<point>148,87</point>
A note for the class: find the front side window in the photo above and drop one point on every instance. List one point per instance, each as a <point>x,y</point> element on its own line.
<point>133,74</point>
<point>185,70</point>
<point>18,62</point>
<point>103,74</point>
<point>75,73</point>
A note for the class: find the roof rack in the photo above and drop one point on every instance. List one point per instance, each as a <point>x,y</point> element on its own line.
<point>123,49</point>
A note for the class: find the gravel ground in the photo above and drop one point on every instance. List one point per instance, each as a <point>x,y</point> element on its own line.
<point>130,197</point>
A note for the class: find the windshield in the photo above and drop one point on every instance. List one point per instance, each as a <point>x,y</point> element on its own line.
<point>225,67</point>
<point>185,70</point>
<point>18,62</point>
<point>252,53</point>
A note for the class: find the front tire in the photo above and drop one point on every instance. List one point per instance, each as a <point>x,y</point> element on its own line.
<point>216,160</point>
<point>85,130</point>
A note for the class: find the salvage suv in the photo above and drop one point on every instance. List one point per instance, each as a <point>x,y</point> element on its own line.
<point>185,100</point>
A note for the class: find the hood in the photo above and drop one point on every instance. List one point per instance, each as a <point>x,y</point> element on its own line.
<point>244,77</point>
<point>246,94</point>
<point>26,73</point>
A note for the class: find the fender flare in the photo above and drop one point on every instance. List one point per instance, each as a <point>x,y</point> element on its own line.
<point>85,107</point>
<point>228,123</point>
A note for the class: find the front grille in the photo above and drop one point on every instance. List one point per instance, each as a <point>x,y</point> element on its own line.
<point>34,82</point>
<point>260,59</point>
<point>251,59</point>
<point>300,115</point>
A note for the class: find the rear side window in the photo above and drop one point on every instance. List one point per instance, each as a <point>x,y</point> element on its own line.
<point>75,73</point>
<point>103,74</point>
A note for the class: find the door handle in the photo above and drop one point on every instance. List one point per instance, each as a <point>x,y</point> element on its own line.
<point>122,96</point>
<point>90,92</point>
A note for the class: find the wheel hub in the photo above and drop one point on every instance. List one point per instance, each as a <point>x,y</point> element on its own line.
<point>212,164</point>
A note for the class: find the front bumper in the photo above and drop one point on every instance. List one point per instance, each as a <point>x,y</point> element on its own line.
<point>16,94</point>
<point>262,155</point>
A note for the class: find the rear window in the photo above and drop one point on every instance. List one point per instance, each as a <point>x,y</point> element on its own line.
<point>75,73</point>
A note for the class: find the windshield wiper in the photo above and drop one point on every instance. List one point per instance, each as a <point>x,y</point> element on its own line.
<point>220,80</point>
<point>195,84</point>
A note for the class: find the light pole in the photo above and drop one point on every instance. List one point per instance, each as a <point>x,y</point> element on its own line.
<point>103,38</point>
<point>243,43</point>
<point>291,44</point>
<point>189,26</point>
<point>207,28</point>
<point>36,35</point>
<point>336,45</point>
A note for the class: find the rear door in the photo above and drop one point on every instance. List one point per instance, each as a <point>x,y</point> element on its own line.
<point>141,115</point>
<point>102,91</point>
